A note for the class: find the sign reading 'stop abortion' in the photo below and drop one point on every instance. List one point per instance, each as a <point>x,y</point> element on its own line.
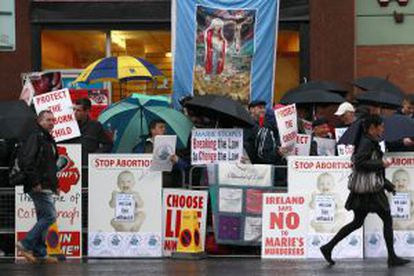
<point>213,146</point>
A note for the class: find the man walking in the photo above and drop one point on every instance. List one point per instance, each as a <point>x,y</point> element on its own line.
<point>37,160</point>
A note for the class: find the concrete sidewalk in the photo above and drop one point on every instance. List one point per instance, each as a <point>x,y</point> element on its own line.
<point>210,266</point>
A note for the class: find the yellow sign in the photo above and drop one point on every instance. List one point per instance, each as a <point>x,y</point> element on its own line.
<point>53,241</point>
<point>189,240</point>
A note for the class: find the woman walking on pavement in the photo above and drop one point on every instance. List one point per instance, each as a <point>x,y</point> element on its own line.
<point>367,184</point>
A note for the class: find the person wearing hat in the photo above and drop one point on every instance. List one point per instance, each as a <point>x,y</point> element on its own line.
<point>346,113</point>
<point>320,130</point>
<point>257,109</point>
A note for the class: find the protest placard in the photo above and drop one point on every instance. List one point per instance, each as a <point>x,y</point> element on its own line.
<point>401,174</point>
<point>174,202</point>
<point>68,204</point>
<point>60,104</point>
<point>303,145</point>
<point>284,226</point>
<point>287,124</point>
<point>325,146</point>
<point>164,148</point>
<point>125,207</point>
<point>213,146</point>
<point>339,131</point>
<point>323,182</point>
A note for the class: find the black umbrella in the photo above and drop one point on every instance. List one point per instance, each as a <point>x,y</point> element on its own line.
<point>321,85</point>
<point>353,134</point>
<point>380,98</point>
<point>378,84</point>
<point>222,108</point>
<point>398,127</point>
<point>313,96</point>
<point>17,120</point>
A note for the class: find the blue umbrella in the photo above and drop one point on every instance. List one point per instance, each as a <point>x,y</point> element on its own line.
<point>129,119</point>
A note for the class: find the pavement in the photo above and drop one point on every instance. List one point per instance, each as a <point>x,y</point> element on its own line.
<point>210,266</point>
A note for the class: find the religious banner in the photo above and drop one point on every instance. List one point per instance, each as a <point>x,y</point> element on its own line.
<point>284,226</point>
<point>323,182</point>
<point>125,207</point>
<point>401,174</point>
<point>213,146</point>
<point>68,235</point>
<point>60,104</point>
<point>174,202</point>
<point>224,48</point>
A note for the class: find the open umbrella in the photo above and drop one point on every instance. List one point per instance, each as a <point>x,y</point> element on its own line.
<point>313,96</point>
<point>380,98</point>
<point>17,120</point>
<point>378,84</point>
<point>121,68</point>
<point>398,127</point>
<point>222,108</point>
<point>129,119</point>
<point>321,85</point>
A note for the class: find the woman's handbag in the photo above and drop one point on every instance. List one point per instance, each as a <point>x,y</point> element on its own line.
<point>365,182</point>
<point>361,182</point>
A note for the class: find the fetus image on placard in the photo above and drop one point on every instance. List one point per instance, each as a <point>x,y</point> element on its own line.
<point>128,204</point>
<point>401,180</point>
<point>326,205</point>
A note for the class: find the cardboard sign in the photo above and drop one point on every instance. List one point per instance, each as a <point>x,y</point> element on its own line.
<point>175,201</point>
<point>60,104</point>
<point>401,174</point>
<point>284,226</point>
<point>286,119</point>
<point>125,207</point>
<point>303,145</point>
<point>323,182</point>
<point>326,147</point>
<point>164,148</point>
<point>213,146</point>
<point>68,206</point>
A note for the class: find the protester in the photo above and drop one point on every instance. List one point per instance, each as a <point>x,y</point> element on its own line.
<point>320,130</point>
<point>346,113</point>
<point>269,150</point>
<point>407,107</point>
<point>169,179</point>
<point>93,137</point>
<point>257,110</point>
<point>38,162</point>
<point>368,158</point>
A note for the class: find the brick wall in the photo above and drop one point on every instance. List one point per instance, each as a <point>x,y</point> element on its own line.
<point>332,40</point>
<point>397,61</point>
<point>12,64</point>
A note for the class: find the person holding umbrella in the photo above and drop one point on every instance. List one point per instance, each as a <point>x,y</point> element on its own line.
<point>367,184</point>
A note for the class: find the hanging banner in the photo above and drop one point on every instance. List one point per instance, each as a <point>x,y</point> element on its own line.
<point>284,226</point>
<point>224,48</point>
<point>68,205</point>
<point>60,104</point>
<point>174,202</point>
<point>401,174</point>
<point>287,124</point>
<point>323,182</point>
<point>124,206</point>
<point>213,146</point>
<point>237,206</point>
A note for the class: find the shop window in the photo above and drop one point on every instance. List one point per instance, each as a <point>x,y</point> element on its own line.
<point>287,63</point>
<point>71,49</point>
